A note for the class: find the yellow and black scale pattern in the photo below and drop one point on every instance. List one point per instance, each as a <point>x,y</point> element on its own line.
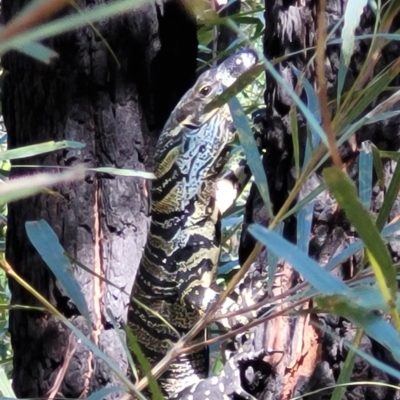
<point>177,272</point>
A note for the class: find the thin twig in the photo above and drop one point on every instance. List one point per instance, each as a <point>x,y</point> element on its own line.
<point>34,17</point>
<point>52,392</point>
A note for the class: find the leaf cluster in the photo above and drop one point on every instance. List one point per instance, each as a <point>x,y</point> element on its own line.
<point>330,123</point>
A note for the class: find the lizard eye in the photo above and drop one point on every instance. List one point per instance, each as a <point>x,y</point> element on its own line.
<point>205,90</point>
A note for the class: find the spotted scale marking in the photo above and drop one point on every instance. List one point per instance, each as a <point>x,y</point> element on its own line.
<point>179,264</point>
<point>223,386</point>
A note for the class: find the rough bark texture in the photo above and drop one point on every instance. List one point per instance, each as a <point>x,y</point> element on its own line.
<point>312,359</point>
<point>102,221</point>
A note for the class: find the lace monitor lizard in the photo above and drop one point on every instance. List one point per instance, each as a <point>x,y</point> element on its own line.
<point>177,271</point>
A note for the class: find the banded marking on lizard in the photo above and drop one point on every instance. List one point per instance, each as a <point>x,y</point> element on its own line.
<point>178,267</point>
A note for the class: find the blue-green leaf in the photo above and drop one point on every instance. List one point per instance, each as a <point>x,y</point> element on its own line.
<point>341,79</point>
<point>48,246</point>
<point>319,278</point>
<point>359,310</point>
<point>313,106</point>
<point>365,174</point>
<point>227,267</point>
<point>251,150</point>
<point>305,200</point>
<point>344,255</point>
<point>5,385</point>
<point>123,172</point>
<point>102,393</point>
<point>41,148</point>
<point>345,193</point>
<point>70,22</point>
<point>390,198</point>
<point>352,16</point>
<point>39,52</point>
<point>357,246</point>
<point>273,259</point>
<point>304,223</point>
<point>371,360</point>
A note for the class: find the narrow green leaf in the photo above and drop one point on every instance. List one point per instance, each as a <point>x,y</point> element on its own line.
<point>342,139</point>
<point>218,366</point>
<point>245,20</point>
<point>98,353</point>
<point>35,149</point>
<point>345,193</point>
<point>313,106</point>
<point>393,155</point>
<point>123,172</point>
<point>304,224</point>
<point>391,229</point>
<point>226,268</point>
<point>390,198</point>
<point>352,16</point>
<point>204,49</point>
<point>362,99</point>
<point>88,343</point>
<point>304,201</point>
<point>295,140</point>
<point>368,36</point>
<point>374,326</point>
<point>252,153</point>
<point>311,120</point>
<point>341,79</point>
<point>344,255</point>
<point>144,363</point>
<point>122,340</point>
<point>4,174</point>
<point>382,112</point>
<point>365,174</point>
<point>48,246</point>
<point>244,80</point>
<point>28,186</point>
<point>101,170</point>
<point>347,368</point>
<point>370,359</point>
<point>319,278</point>
<point>205,37</point>
<point>365,120</point>
<point>39,52</point>
<point>5,385</point>
<point>378,167</point>
<point>273,260</point>
<point>103,393</point>
<point>368,297</point>
<point>69,23</point>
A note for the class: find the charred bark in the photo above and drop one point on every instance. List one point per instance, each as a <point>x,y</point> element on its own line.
<point>102,222</point>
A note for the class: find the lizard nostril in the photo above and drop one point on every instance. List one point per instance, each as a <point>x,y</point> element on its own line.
<point>249,59</point>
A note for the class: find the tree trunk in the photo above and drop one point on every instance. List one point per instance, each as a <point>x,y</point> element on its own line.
<point>311,359</point>
<point>102,222</point>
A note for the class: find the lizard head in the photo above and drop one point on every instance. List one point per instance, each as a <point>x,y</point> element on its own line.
<point>212,83</point>
<point>194,141</point>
